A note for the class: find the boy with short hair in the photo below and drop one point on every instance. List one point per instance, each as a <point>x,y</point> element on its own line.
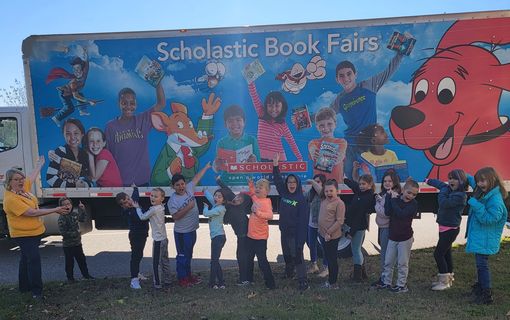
<point>357,103</point>
<point>138,233</point>
<point>156,217</point>
<point>71,238</point>
<point>401,209</point>
<point>183,208</point>
<point>258,230</point>
<point>243,146</point>
<point>325,122</point>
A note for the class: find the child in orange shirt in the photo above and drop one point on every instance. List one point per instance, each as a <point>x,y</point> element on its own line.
<point>258,230</point>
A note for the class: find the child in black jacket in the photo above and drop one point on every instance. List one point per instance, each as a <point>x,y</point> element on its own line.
<point>238,207</point>
<point>293,210</point>
<point>357,218</point>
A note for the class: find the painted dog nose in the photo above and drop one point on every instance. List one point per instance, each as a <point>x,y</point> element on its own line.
<point>406,117</point>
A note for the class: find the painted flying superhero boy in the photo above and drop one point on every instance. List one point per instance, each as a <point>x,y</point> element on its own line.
<point>72,90</point>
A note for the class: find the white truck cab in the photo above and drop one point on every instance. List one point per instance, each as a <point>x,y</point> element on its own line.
<point>18,149</point>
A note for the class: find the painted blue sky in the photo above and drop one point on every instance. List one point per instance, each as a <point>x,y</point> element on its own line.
<point>21,19</point>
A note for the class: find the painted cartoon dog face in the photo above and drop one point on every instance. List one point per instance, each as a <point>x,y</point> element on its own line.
<point>455,95</point>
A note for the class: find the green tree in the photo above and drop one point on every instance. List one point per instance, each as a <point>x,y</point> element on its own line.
<point>15,95</point>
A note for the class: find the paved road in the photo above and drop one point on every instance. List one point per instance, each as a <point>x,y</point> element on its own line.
<point>108,252</point>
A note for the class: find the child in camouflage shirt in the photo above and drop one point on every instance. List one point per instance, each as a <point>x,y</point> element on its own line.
<point>71,238</point>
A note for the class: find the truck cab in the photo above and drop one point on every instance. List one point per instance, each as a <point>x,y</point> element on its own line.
<point>18,149</point>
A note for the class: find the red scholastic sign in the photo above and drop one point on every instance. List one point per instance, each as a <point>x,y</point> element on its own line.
<point>266,167</point>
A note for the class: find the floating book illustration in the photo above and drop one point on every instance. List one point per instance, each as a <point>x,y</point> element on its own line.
<point>253,70</point>
<point>150,71</point>
<point>301,117</point>
<point>403,43</point>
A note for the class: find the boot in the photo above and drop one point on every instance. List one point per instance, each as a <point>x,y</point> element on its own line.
<point>364,274</point>
<point>485,297</point>
<point>313,268</point>
<point>443,283</point>
<point>476,290</point>
<point>357,273</point>
<point>451,279</point>
<point>436,280</point>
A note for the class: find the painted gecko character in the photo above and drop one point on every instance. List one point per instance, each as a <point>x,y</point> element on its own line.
<point>184,144</point>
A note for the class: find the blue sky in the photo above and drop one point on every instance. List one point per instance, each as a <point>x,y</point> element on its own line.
<point>21,19</point>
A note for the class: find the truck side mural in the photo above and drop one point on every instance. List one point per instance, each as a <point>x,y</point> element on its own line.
<point>136,108</point>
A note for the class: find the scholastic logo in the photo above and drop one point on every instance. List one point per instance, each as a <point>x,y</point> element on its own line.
<point>266,167</point>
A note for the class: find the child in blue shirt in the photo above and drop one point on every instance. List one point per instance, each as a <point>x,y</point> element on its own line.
<point>218,239</point>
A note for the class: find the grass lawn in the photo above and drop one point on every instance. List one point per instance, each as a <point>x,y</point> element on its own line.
<point>113,299</point>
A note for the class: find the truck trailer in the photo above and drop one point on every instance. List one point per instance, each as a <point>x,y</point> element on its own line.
<point>418,95</point>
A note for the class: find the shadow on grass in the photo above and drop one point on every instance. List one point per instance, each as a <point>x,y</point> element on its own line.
<point>113,299</point>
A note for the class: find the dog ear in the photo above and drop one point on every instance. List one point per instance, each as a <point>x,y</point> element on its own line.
<point>492,31</point>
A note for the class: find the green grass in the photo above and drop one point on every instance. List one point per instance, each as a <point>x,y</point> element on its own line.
<point>113,299</point>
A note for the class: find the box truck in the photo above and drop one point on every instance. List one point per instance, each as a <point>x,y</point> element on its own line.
<point>418,95</point>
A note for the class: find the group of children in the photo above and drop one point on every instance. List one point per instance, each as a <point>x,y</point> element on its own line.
<point>319,218</point>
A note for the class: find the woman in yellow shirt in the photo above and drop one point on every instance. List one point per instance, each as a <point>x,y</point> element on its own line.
<point>25,226</point>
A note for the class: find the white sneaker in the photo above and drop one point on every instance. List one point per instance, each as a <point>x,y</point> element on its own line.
<point>135,283</point>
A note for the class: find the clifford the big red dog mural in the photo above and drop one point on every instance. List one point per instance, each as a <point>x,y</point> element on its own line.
<point>453,115</point>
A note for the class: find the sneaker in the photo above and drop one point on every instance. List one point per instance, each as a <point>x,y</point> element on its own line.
<point>184,283</point>
<point>379,284</point>
<point>244,283</point>
<point>88,277</point>
<point>399,289</point>
<point>313,268</point>
<point>194,280</point>
<point>215,287</point>
<point>158,286</point>
<point>327,285</point>
<point>222,287</point>
<point>71,280</point>
<point>142,277</point>
<point>303,285</point>
<point>324,273</point>
<point>135,284</point>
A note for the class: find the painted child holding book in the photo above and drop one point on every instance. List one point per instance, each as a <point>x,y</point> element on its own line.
<point>235,147</point>
<point>327,152</point>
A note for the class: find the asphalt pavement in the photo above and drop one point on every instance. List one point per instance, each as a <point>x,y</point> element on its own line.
<point>108,251</point>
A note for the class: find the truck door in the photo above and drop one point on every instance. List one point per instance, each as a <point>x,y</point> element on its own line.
<point>11,153</point>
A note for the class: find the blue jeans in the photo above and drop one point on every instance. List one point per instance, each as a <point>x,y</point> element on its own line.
<point>384,234</point>
<point>313,243</point>
<point>29,275</point>
<point>216,275</point>
<point>356,244</point>
<point>184,243</point>
<point>351,155</point>
<point>321,244</point>
<point>483,271</point>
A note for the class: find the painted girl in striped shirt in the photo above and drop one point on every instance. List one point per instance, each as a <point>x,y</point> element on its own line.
<point>272,126</point>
